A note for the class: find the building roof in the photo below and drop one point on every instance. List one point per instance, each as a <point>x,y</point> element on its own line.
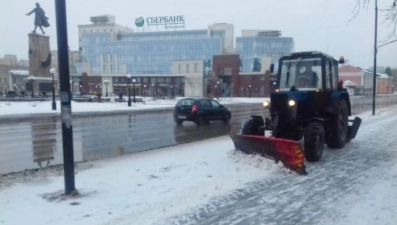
<point>20,72</point>
<point>381,75</point>
<point>7,68</point>
<point>349,69</point>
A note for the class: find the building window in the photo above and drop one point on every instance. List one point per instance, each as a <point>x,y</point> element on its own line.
<point>195,68</point>
<point>113,69</point>
<point>179,68</point>
<point>262,78</point>
<point>113,58</point>
<point>145,80</point>
<point>187,68</point>
<point>105,69</point>
<point>105,59</point>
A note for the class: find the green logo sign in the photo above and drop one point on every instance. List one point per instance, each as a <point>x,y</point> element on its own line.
<point>139,22</point>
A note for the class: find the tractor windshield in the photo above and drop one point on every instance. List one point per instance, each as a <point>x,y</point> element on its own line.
<point>304,74</point>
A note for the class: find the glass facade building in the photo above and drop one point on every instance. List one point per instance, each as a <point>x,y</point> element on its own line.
<point>147,52</point>
<point>252,49</point>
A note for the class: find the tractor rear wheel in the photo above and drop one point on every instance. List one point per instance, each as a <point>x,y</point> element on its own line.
<point>314,141</point>
<point>337,137</point>
<point>253,127</point>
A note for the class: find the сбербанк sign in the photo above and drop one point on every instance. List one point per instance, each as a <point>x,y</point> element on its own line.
<point>165,20</point>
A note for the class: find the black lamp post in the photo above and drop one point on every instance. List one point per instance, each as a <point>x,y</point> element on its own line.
<point>129,89</point>
<point>54,104</point>
<point>106,82</point>
<point>133,86</point>
<point>216,93</point>
<point>152,89</point>
<point>31,80</point>
<point>376,47</point>
<point>219,88</point>
<point>144,90</point>
<point>249,91</point>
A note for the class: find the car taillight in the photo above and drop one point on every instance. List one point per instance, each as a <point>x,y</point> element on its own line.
<point>194,108</point>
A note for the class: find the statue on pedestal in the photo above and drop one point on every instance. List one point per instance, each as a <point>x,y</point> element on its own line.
<point>40,19</point>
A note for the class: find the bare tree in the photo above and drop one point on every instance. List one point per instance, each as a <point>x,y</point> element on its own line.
<point>390,13</point>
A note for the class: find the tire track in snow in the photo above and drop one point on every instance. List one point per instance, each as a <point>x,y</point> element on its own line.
<point>294,199</point>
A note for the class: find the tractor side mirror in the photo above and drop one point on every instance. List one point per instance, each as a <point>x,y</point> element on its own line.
<point>271,68</point>
<point>341,60</point>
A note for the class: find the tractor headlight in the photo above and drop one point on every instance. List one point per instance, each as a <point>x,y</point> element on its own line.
<point>291,103</point>
<point>266,104</point>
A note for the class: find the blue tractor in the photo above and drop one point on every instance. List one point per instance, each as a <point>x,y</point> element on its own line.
<point>308,103</point>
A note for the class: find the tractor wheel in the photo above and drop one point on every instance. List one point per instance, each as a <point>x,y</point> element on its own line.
<point>337,137</point>
<point>253,127</point>
<point>314,142</point>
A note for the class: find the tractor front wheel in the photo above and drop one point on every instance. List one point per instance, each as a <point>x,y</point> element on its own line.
<point>337,136</point>
<point>314,142</point>
<point>253,127</point>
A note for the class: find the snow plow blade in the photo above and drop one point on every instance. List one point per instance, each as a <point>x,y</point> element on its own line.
<point>289,152</point>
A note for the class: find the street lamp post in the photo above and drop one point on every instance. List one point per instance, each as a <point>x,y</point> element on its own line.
<point>219,88</point>
<point>249,91</point>
<point>81,87</point>
<point>133,86</point>
<point>107,82</point>
<point>71,86</point>
<point>375,53</point>
<point>129,89</point>
<point>54,104</point>
<point>152,89</point>
<point>31,80</point>
<point>172,91</point>
<point>216,93</point>
<point>144,90</point>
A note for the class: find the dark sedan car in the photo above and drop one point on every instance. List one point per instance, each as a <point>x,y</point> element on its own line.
<point>200,111</point>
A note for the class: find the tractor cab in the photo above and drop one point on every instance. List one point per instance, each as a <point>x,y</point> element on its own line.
<point>307,71</point>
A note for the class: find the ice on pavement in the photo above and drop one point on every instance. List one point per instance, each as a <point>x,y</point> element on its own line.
<point>153,186</point>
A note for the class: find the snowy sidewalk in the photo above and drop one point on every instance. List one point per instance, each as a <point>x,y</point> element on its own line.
<point>142,188</point>
<point>24,108</point>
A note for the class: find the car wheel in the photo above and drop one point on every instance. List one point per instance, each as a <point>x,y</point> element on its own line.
<point>227,118</point>
<point>201,121</point>
<point>178,121</point>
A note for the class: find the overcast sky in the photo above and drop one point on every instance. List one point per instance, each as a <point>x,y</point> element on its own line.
<point>314,24</point>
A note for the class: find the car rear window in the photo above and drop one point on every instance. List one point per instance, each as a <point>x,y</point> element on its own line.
<point>188,102</point>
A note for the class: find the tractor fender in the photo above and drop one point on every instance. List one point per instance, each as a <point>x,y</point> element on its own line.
<point>336,97</point>
<point>258,118</point>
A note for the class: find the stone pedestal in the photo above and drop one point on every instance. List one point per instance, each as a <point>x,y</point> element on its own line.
<point>39,55</point>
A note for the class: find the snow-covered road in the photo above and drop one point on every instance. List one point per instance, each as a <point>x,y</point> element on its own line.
<point>338,190</point>
<point>207,183</point>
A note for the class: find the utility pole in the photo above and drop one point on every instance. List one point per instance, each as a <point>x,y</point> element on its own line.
<point>375,52</point>
<point>65,95</point>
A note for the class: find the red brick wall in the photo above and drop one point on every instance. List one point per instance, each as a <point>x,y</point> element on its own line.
<point>223,61</point>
